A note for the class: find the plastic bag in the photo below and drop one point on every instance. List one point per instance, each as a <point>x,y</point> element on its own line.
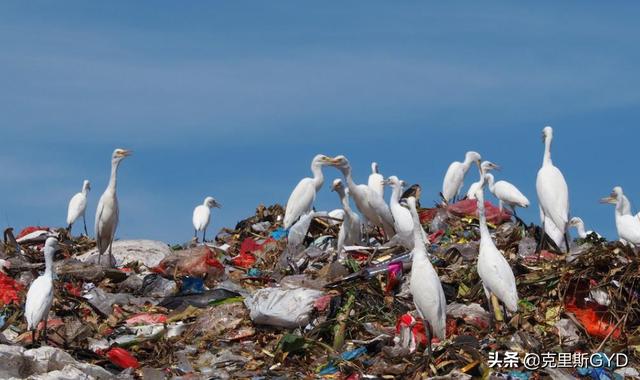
<point>288,308</point>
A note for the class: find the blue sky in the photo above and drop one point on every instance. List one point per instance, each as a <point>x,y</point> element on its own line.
<point>233,99</point>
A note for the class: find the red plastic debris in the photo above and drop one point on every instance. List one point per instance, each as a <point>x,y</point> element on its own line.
<point>73,290</point>
<point>595,318</point>
<point>427,215</point>
<point>434,237</point>
<point>451,327</point>
<point>27,230</point>
<point>417,327</point>
<point>122,358</point>
<point>248,249</point>
<point>10,290</point>
<point>469,207</point>
<point>394,277</point>
<point>146,319</point>
<point>321,303</point>
<point>592,316</point>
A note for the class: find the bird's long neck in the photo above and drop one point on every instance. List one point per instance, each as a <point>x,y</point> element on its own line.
<point>395,194</point>
<point>581,231</point>
<point>318,176</point>
<point>466,164</point>
<point>547,151</point>
<point>114,174</point>
<point>484,230</point>
<point>490,181</point>
<point>353,187</point>
<point>344,199</point>
<point>621,205</point>
<point>85,190</point>
<point>48,264</point>
<point>419,244</point>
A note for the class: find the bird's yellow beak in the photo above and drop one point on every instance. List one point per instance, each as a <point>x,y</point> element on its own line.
<point>608,200</point>
<point>125,153</point>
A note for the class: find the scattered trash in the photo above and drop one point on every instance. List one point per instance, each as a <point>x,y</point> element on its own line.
<point>263,302</point>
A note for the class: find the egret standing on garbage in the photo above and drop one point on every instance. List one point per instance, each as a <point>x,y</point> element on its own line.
<point>202,216</point>
<point>40,294</point>
<point>454,178</point>
<point>425,285</point>
<point>351,228</point>
<point>506,193</point>
<point>485,167</point>
<point>370,204</point>
<point>494,270</point>
<point>107,212</point>
<point>376,180</point>
<point>552,189</point>
<point>304,194</point>
<point>77,207</point>
<point>402,220</point>
<point>628,225</point>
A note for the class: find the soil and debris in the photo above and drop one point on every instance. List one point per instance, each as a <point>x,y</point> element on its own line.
<point>253,304</point>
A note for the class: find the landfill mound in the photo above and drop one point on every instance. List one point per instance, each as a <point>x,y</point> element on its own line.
<point>254,304</point>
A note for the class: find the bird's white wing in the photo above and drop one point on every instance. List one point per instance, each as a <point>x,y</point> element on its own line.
<point>471,193</point>
<point>106,221</point>
<point>201,215</point>
<point>498,277</point>
<point>507,192</point>
<point>376,183</point>
<point>553,195</point>
<point>383,213</point>
<point>453,180</point>
<point>428,296</point>
<point>77,205</point>
<point>629,228</point>
<point>300,201</point>
<point>39,298</point>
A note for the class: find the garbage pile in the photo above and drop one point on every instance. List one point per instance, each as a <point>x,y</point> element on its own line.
<point>256,304</point>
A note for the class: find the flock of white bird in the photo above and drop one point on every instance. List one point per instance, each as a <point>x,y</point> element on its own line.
<point>398,220</point>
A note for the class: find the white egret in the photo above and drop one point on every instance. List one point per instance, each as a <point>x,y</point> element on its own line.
<point>425,285</point>
<point>506,193</point>
<point>454,178</point>
<point>107,212</point>
<point>376,180</point>
<point>334,214</point>
<point>202,216</point>
<point>552,189</point>
<point>485,167</point>
<point>494,270</point>
<point>578,224</point>
<point>368,202</point>
<point>304,194</point>
<point>551,230</point>
<point>402,220</point>
<point>40,294</point>
<point>628,225</point>
<point>77,206</point>
<point>351,228</point>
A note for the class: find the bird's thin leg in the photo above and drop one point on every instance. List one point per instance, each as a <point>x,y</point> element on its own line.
<point>541,240</point>
<point>33,337</point>
<point>566,241</point>
<point>204,240</point>
<point>195,234</point>
<point>427,330</point>
<point>110,254</point>
<point>69,228</point>
<point>84,220</point>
